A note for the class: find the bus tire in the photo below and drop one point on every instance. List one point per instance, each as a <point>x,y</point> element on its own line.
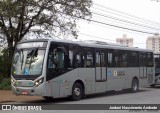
<point>134,86</point>
<point>153,85</point>
<point>77,91</point>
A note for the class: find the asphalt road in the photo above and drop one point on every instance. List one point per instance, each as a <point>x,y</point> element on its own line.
<point>144,96</point>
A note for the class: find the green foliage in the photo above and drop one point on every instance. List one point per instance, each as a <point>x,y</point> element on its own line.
<point>3,63</point>
<point>40,18</point>
<point>5,84</point>
<point>19,17</point>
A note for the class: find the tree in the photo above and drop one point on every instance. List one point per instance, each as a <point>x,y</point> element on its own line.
<point>40,17</point>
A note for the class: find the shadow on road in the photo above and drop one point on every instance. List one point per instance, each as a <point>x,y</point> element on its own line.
<point>112,93</point>
<point>155,87</point>
<point>93,96</point>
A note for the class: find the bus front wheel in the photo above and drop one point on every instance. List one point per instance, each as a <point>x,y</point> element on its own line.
<point>77,91</point>
<point>135,85</point>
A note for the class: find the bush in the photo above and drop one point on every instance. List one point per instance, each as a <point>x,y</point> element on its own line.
<point>3,62</point>
<point>5,84</point>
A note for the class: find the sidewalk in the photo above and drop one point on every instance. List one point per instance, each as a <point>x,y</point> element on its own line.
<point>8,96</point>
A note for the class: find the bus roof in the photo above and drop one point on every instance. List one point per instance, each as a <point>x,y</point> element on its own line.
<point>90,43</point>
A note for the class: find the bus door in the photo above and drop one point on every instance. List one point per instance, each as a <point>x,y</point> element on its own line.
<point>150,68</point>
<point>142,63</point>
<point>100,71</point>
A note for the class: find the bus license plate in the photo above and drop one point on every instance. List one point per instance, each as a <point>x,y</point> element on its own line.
<point>24,93</point>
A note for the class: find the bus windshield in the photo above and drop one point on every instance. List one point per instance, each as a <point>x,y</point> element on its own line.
<point>28,61</point>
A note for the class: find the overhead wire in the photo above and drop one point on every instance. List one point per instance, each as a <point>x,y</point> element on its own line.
<point>119,23</point>
<point>112,25</point>
<point>117,26</point>
<point>139,22</point>
<point>125,21</point>
<point>123,14</point>
<point>130,18</point>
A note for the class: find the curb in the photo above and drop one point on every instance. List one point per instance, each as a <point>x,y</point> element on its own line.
<point>6,101</point>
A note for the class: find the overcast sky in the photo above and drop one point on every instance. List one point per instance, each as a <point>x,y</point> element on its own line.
<point>146,9</point>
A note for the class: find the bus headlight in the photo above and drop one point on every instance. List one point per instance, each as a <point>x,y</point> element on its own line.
<point>13,81</point>
<point>39,82</point>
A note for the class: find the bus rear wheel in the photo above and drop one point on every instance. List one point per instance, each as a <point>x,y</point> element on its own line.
<point>153,85</point>
<point>135,85</point>
<point>77,91</point>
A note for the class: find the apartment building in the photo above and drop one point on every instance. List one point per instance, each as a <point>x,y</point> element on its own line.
<point>153,43</point>
<point>125,41</point>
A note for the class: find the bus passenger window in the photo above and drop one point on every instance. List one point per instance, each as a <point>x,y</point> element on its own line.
<point>149,59</point>
<point>142,59</point>
<point>74,56</point>
<point>51,65</point>
<point>88,58</point>
<point>77,60</point>
<point>116,58</point>
<point>70,58</point>
<point>110,62</point>
<point>133,59</point>
<point>98,59</point>
<point>57,60</point>
<point>103,59</point>
<point>122,58</point>
<point>60,59</point>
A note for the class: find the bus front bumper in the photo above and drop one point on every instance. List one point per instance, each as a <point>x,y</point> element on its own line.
<point>30,91</point>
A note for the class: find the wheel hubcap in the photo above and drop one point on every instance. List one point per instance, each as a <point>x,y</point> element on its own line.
<point>135,86</point>
<point>77,91</point>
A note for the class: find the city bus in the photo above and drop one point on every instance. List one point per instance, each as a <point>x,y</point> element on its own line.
<point>54,68</point>
<point>157,70</point>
